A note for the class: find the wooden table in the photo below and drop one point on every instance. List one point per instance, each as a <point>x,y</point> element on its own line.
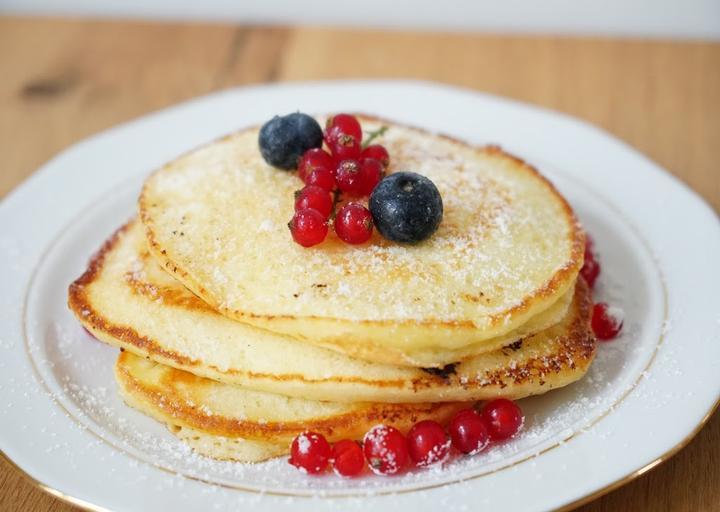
<point>63,80</point>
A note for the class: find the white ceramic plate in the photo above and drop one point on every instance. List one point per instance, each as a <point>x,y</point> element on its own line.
<point>646,395</point>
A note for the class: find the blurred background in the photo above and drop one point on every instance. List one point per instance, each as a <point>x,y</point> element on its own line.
<point>658,18</point>
<point>647,71</point>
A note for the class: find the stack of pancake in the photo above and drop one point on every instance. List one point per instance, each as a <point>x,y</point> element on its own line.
<point>239,339</point>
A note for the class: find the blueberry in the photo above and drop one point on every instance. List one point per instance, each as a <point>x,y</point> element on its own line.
<point>406,207</point>
<point>284,139</point>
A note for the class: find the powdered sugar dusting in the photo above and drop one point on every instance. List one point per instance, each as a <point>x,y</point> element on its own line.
<point>485,258</point>
<point>549,418</point>
<point>617,314</point>
<point>438,454</point>
<point>303,443</point>
<point>78,371</point>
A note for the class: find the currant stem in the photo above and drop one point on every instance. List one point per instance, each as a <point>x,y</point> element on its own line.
<point>371,136</point>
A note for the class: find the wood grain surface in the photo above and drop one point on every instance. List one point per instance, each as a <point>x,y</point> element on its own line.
<point>63,80</point>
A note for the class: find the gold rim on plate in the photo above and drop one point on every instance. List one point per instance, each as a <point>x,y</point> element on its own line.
<point>578,502</point>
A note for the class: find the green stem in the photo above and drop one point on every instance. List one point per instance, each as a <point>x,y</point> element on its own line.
<point>371,136</point>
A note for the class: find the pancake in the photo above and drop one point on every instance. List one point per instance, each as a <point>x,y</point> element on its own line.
<point>229,422</point>
<point>508,248</point>
<point>217,447</point>
<point>125,299</point>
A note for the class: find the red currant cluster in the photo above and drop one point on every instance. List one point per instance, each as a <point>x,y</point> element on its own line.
<point>349,168</point>
<point>387,451</point>
<point>607,321</point>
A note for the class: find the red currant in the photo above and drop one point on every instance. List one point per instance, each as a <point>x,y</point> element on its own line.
<point>371,172</point>
<point>589,243</point>
<point>308,227</point>
<point>345,147</point>
<point>385,450</point>
<point>354,224</point>
<point>316,198</point>
<point>310,452</point>
<point>427,443</point>
<point>468,432</point>
<point>342,124</point>
<point>347,176</point>
<point>503,418</point>
<point>606,321</point>
<point>312,159</point>
<point>377,152</point>
<point>591,268</point>
<point>348,458</point>
<point>322,177</point>
<point>358,178</point>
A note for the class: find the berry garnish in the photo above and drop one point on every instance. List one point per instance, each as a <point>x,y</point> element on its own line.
<point>385,449</point>
<point>353,223</point>
<point>607,321</point>
<point>468,432</point>
<point>308,227</point>
<point>310,452</point>
<point>321,177</point>
<point>315,158</point>
<point>347,176</point>
<point>427,443</point>
<point>406,207</point>
<point>358,178</point>
<point>316,198</point>
<point>345,147</point>
<point>342,124</point>
<point>591,268</point>
<point>589,243</point>
<point>348,458</point>
<point>371,172</point>
<point>377,152</point>
<point>502,417</point>
<point>283,140</point>
<point>343,135</point>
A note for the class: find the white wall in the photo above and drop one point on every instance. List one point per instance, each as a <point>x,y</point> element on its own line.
<point>656,18</point>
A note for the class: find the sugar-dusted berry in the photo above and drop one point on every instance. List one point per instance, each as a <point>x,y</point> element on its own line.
<point>607,321</point>
<point>427,443</point>
<point>406,207</point>
<point>503,418</point>
<point>310,452</point>
<point>385,450</point>
<point>468,432</point>
<point>591,267</point>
